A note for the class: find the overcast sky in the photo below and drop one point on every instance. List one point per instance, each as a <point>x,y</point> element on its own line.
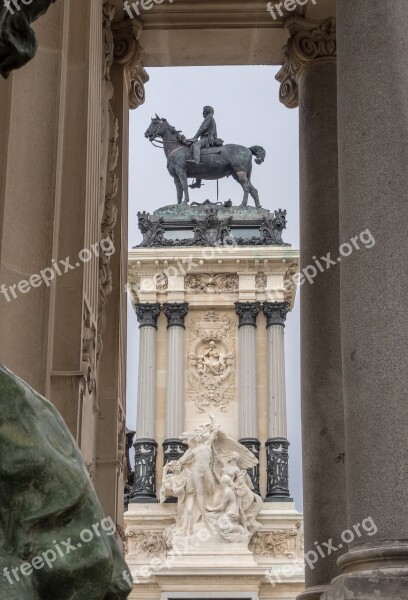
<point>248,112</point>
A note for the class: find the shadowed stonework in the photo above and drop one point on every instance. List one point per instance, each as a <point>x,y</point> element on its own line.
<point>50,517</point>
<point>18,43</point>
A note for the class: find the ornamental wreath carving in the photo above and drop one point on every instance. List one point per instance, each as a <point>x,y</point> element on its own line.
<point>212,284</point>
<point>145,544</point>
<point>281,542</point>
<point>211,375</point>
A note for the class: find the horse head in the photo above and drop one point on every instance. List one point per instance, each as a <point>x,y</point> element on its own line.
<point>156,128</point>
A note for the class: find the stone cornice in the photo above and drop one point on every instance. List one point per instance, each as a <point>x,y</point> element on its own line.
<point>129,54</point>
<point>310,41</point>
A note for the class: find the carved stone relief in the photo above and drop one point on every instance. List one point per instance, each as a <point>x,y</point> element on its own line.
<point>211,373</point>
<point>281,542</point>
<point>212,284</point>
<point>142,545</point>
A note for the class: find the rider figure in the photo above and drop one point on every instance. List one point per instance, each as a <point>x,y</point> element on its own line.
<point>206,136</point>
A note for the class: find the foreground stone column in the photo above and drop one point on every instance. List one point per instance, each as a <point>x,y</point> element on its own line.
<point>373,177</point>
<point>172,446</point>
<point>277,444</point>
<point>144,487</point>
<point>248,410</point>
<point>308,78</point>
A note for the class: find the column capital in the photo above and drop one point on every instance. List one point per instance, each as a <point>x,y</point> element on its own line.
<point>275,313</point>
<point>176,312</point>
<point>147,314</point>
<point>129,54</point>
<point>247,312</point>
<point>310,42</point>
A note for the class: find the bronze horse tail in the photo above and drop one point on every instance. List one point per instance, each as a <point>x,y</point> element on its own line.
<point>259,154</point>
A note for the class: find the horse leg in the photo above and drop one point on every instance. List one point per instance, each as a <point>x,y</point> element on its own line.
<point>179,188</point>
<point>254,193</point>
<point>182,175</point>
<point>242,178</point>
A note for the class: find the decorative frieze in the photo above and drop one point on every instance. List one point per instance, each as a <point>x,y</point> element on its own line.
<point>212,229</point>
<point>277,456</point>
<point>247,313</point>
<point>310,41</point>
<point>144,485</point>
<point>147,314</point>
<point>261,281</point>
<point>144,545</point>
<point>212,284</point>
<point>176,312</point>
<point>212,374</point>
<point>275,313</point>
<point>275,544</point>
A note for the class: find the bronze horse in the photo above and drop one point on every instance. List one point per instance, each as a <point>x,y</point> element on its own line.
<point>217,162</point>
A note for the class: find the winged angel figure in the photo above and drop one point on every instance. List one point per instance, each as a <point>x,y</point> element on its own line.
<point>213,487</point>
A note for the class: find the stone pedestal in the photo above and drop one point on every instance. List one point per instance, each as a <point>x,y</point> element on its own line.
<point>214,359</point>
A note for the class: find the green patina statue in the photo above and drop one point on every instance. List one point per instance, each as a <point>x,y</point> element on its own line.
<point>18,43</point>
<point>55,542</point>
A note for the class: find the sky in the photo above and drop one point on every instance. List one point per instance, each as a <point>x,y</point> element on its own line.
<point>247,112</point>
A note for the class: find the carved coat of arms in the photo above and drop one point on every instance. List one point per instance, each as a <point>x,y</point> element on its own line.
<point>211,375</point>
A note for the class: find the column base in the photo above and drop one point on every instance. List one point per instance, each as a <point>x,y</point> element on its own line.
<point>143,500</point>
<point>144,485</point>
<point>372,573</point>
<point>254,446</point>
<point>277,458</point>
<point>278,499</point>
<point>173,449</point>
<point>314,593</point>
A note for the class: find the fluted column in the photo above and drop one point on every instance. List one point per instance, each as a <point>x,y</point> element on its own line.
<point>373,178</point>
<point>144,487</point>
<point>277,444</point>
<point>248,410</point>
<point>308,79</point>
<point>172,446</point>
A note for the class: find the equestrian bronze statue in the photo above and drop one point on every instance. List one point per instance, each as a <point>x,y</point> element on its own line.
<point>205,156</point>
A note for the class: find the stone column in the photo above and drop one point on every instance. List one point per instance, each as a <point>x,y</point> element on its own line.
<point>277,445</point>
<point>308,79</point>
<point>144,487</point>
<point>248,410</point>
<point>373,181</point>
<point>173,448</point>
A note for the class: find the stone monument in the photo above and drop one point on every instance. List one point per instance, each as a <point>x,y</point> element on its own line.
<point>210,512</point>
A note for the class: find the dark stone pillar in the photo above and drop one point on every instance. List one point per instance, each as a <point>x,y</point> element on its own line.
<point>373,178</point>
<point>308,78</point>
